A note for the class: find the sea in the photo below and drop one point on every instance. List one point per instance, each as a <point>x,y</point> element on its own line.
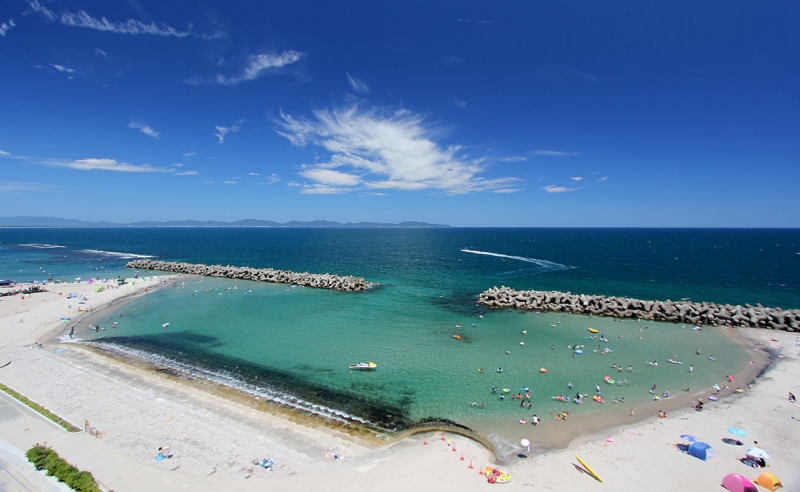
<point>293,345</point>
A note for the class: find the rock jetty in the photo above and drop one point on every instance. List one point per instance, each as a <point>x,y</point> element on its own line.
<point>319,281</point>
<point>707,313</point>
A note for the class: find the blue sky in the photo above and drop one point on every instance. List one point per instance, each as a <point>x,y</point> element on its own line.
<point>469,113</point>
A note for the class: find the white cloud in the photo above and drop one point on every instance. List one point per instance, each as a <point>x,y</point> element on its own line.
<point>231,182</point>
<point>514,158</point>
<point>383,149</point>
<point>189,154</point>
<point>146,129</point>
<point>63,69</point>
<point>98,51</point>
<point>453,60</point>
<point>555,153</point>
<point>259,65</point>
<point>508,190</point>
<point>357,84</point>
<point>254,174</point>
<point>17,187</point>
<point>6,26</point>
<point>209,182</point>
<point>459,103</point>
<point>224,130</point>
<point>576,178</point>
<point>93,164</point>
<point>273,178</point>
<point>82,19</point>
<point>604,178</point>
<point>331,177</point>
<point>558,189</point>
<point>324,190</point>
<point>3,152</point>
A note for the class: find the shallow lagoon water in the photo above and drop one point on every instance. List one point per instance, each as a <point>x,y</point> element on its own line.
<point>279,341</point>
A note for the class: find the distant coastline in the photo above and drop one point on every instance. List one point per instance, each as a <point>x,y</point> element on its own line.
<point>30,221</point>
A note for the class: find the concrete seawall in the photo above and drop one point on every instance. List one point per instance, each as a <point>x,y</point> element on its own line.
<point>319,281</point>
<point>706,313</point>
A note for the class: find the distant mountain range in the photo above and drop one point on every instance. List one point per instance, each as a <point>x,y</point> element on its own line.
<point>58,222</point>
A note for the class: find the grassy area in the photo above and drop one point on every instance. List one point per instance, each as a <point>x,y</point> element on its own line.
<point>47,413</point>
<point>44,458</point>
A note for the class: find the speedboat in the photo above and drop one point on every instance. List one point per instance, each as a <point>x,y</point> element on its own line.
<point>364,366</point>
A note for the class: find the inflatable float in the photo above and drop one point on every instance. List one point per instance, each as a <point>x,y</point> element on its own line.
<point>493,475</point>
<point>593,330</point>
<point>542,370</point>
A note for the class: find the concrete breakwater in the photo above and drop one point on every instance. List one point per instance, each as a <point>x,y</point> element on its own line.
<point>319,281</point>
<point>621,307</point>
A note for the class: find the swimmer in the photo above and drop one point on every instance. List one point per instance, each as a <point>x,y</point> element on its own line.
<point>630,368</point>
<point>499,369</point>
<point>553,347</point>
<point>480,370</point>
<point>474,403</point>
<point>569,385</point>
<point>508,351</point>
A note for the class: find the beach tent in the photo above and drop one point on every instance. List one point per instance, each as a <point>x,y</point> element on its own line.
<point>769,481</point>
<point>737,483</point>
<point>701,451</point>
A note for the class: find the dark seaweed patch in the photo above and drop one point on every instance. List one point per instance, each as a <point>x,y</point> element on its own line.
<point>193,350</point>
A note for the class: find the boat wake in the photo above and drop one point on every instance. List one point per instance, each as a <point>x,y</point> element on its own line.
<point>115,254</point>
<point>547,265</point>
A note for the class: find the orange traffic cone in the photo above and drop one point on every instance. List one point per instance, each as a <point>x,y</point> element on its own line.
<point>462,455</point>
<point>454,447</point>
<point>425,441</point>
<point>470,465</point>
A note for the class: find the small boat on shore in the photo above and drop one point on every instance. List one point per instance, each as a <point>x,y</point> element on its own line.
<point>364,366</point>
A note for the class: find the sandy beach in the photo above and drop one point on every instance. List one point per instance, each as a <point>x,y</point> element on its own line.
<point>215,436</point>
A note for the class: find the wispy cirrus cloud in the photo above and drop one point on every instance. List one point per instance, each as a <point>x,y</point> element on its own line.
<point>224,130</point>
<point>95,164</point>
<point>604,178</point>
<point>558,189</point>
<point>553,153</point>
<point>6,26</point>
<point>129,26</point>
<point>459,103</point>
<point>379,148</point>
<point>576,178</point>
<point>514,158</point>
<point>358,85</point>
<point>99,52</point>
<point>146,129</point>
<point>18,187</point>
<point>507,190</point>
<point>257,66</point>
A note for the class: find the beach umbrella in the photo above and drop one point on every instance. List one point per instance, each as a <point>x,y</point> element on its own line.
<point>737,483</point>
<point>525,443</point>
<point>757,453</point>
<point>688,438</point>
<point>701,450</point>
<point>737,432</point>
<point>769,481</point>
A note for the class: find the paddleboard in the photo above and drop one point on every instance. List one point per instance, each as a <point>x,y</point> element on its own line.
<point>588,469</point>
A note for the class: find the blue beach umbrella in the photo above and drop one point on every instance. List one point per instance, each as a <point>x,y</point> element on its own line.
<point>737,432</point>
<point>690,439</point>
<point>701,450</point>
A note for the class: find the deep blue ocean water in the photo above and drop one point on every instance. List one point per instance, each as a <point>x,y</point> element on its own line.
<point>293,345</point>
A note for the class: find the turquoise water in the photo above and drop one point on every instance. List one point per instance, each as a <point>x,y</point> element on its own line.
<point>294,345</point>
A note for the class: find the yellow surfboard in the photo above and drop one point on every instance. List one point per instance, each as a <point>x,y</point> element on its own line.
<point>588,469</point>
<point>593,330</point>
